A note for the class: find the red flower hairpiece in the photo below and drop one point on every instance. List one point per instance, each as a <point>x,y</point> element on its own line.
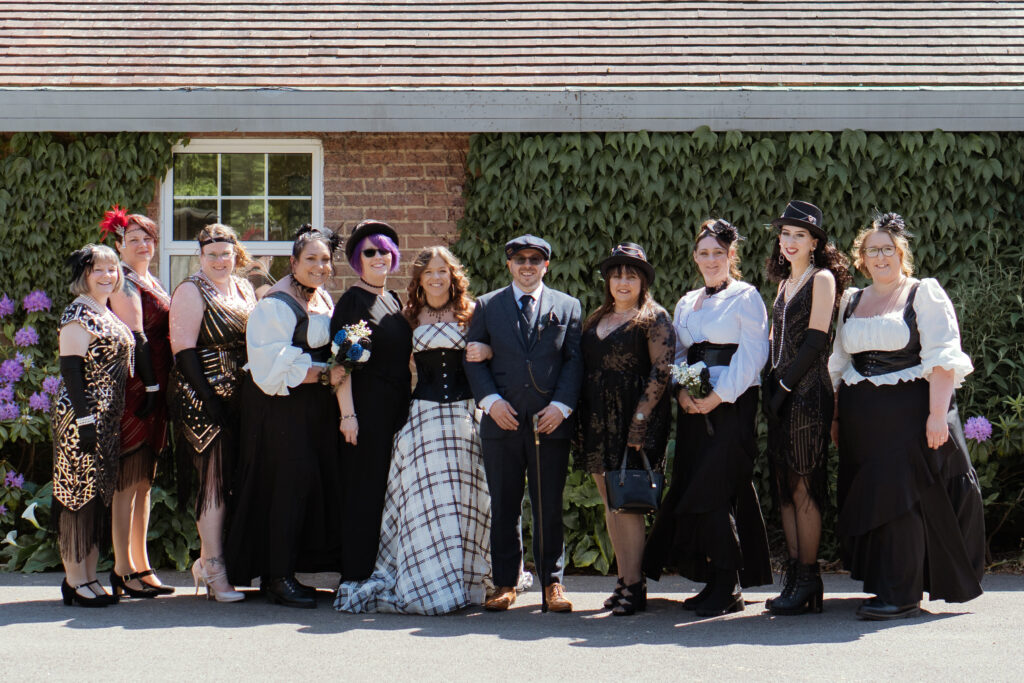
<point>114,222</point>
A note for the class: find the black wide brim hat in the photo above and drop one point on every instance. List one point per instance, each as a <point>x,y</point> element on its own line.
<point>802,215</point>
<point>364,230</point>
<point>628,254</point>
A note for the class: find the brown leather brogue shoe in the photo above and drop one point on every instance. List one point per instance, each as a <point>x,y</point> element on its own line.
<point>554,596</point>
<point>502,599</point>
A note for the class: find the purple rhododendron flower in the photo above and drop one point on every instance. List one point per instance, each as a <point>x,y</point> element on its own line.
<point>14,480</point>
<point>9,411</point>
<point>51,385</point>
<point>6,394</point>
<point>978,428</point>
<point>37,301</point>
<point>6,306</point>
<point>26,336</point>
<point>11,370</point>
<point>39,401</point>
<point>3,509</point>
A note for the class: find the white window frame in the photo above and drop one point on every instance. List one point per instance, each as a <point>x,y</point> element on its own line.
<point>170,247</point>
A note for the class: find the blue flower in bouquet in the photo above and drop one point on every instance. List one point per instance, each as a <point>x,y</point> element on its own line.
<point>26,336</point>
<point>354,352</point>
<point>9,411</point>
<point>978,428</point>
<point>51,385</point>
<point>37,301</point>
<point>39,401</point>
<point>11,370</point>
<point>14,480</point>
<point>6,306</point>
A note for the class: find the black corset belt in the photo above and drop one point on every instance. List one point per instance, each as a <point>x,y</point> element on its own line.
<point>874,363</point>
<point>711,354</point>
<point>440,377</point>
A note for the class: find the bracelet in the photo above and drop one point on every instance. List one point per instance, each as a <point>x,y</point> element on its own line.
<point>153,388</point>
<point>348,417</point>
<point>788,390</point>
<point>82,421</point>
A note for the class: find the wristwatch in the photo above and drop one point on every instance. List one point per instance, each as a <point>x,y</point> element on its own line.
<point>325,377</point>
<point>639,417</point>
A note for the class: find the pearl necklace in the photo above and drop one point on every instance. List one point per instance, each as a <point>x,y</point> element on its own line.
<point>785,307</point>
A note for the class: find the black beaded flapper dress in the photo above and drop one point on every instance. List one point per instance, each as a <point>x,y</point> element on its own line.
<point>381,390</point>
<point>84,483</point>
<point>798,444</point>
<point>221,349</point>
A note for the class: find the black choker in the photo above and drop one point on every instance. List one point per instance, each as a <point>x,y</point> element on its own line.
<point>380,287</point>
<point>711,291</point>
<point>307,292</point>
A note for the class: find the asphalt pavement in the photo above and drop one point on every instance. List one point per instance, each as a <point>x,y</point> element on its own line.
<point>185,638</point>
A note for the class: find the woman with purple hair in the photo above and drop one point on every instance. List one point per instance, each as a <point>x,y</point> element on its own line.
<point>374,398</point>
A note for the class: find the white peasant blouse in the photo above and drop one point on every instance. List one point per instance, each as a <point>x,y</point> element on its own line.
<point>936,324</point>
<point>736,315</point>
<point>274,363</point>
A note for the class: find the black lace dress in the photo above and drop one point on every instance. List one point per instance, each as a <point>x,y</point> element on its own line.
<point>798,444</point>
<point>625,373</point>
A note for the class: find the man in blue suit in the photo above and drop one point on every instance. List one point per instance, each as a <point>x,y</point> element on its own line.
<point>536,370</point>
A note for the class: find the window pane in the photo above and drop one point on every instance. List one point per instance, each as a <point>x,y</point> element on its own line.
<point>181,268</point>
<point>195,175</point>
<point>241,175</point>
<point>191,215</point>
<point>287,216</point>
<point>264,271</point>
<point>246,217</point>
<point>291,175</point>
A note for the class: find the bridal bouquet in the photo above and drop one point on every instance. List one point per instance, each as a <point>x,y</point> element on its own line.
<point>351,345</point>
<point>696,379</point>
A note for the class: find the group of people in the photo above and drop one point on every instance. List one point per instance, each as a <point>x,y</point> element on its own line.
<point>308,462</point>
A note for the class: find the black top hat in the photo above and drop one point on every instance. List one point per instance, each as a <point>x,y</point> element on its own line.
<point>364,230</point>
<point>527,242</point>
<point>802,215</point>
<point>628,254</point>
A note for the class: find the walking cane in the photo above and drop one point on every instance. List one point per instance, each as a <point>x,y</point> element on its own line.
<point>539,516</point>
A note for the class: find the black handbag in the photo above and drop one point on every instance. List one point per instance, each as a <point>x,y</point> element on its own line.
<point>636,491</point>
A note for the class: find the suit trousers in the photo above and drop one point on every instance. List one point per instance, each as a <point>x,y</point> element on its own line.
<point>506,460</point>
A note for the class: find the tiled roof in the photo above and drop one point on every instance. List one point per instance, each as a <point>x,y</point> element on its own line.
<point>583,43</point>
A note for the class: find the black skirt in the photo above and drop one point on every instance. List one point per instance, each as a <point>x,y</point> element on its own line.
<point>287,515</point>
<point>710,518</point>
<point>911,517</point>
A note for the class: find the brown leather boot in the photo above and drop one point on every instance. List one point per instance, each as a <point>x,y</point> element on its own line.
<point>554,597</point>
<point>503,598</point>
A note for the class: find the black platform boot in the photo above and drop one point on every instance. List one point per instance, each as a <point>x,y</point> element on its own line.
<point>788,582</point>
<point>723,598</point>
<point>807,595</point>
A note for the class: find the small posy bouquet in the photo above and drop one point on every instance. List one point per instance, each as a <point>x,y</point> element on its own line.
<point>351,345</point>
<point>696,379</point>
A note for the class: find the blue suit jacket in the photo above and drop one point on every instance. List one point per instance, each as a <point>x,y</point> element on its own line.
<point>551,369</point>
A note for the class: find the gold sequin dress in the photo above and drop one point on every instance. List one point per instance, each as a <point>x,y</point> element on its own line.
<point>83,483</point>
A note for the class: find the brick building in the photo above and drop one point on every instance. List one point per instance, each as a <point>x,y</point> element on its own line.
<point>332,112</point>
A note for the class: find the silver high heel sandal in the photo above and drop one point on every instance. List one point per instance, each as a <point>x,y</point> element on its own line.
<point>201,576</point>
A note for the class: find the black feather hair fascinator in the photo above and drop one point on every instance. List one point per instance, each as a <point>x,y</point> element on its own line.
<point>892,223</point>
<point>331,238</point>
<point>79,261</point>
<point>724,231</point>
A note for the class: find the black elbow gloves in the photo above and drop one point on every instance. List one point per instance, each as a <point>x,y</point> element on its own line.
<point>72,369</point>
<point>815,342</point>
<point>188,364</point>
<point>145,372</point>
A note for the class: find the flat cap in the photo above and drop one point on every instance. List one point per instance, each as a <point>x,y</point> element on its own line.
<point>528,242</point>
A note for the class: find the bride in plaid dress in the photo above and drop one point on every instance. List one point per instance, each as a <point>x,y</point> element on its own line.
<point>434,552</point>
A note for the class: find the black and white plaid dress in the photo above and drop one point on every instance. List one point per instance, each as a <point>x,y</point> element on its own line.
<point>434,552</point>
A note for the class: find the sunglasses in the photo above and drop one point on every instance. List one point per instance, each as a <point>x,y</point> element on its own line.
<point>532,260</point>
<point>370,253</point>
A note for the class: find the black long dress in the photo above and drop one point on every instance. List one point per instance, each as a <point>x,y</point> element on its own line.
<point>622,378</point>
<point>798,444</point>
<point>287,517</point>
<point>381,391</point>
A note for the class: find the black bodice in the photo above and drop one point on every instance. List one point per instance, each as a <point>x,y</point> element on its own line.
<point>874,363</point>
<point>440,376</point>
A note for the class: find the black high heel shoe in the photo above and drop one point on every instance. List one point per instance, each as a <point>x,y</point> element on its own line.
<point>160,590</point>
<point>806,596</point>
<point>119,584</point>
<point>723,597</point>
<point>613,599</point>
<point>693,602</point>
<point>72,596</point>
<point>632,599</point>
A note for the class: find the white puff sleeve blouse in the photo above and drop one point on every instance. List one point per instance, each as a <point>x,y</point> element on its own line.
<point>936,324</point>
<point>736,315</point>
<point>274,362</point>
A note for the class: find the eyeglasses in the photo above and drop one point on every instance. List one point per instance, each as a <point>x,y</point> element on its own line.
<point>532,260</point>
<point>872,252</point>
<point>370,253</point>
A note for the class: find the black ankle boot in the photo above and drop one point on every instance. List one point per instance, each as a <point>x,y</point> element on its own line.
<point>723,597</point>
<point>788,582</point>
<point>694,601</point>
<point>287,591</point>
<point>807,593</point>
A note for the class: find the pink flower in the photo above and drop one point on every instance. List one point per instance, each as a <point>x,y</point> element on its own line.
<point>978,428</point>
<point>36,301</point>
<point>26,336</point>
<point>6,306</point>
<point>51,385</point>
<point>39,401</point>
